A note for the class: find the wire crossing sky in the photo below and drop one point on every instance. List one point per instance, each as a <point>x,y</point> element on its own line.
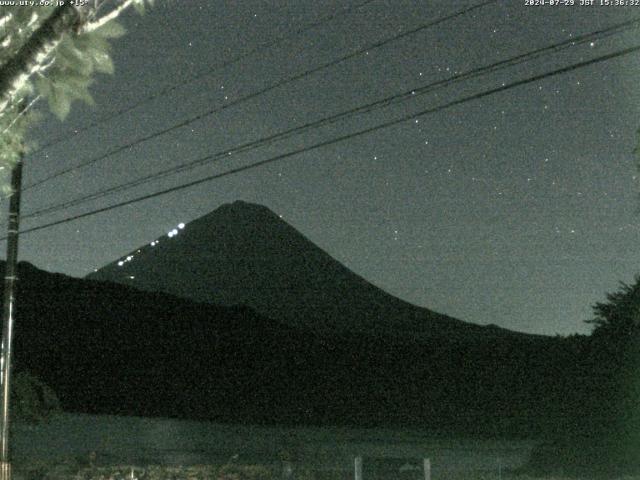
<point>172,88</point>
<point>263,91</point>
<point>515,207</point>
<point>411,94</point>
<point>325,143</point>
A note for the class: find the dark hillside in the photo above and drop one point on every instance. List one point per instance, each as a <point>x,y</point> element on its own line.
<point>108,348</point>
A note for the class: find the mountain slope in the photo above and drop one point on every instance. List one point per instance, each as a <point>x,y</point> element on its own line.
<point>245,254</point>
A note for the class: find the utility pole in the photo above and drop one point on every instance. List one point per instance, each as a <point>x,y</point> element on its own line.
<point>10,278</point>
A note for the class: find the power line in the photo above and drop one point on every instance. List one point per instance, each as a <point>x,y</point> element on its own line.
<point>333,141</point>
<point>180,86</point>
<point>258,93</point>
<point>407,95</point>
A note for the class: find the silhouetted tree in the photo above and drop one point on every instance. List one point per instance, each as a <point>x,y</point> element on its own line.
<point>616,348</point>
<point>604,434</point>
<point>618,319</point>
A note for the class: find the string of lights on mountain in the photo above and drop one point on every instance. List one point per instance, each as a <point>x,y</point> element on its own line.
<point>516,207</point>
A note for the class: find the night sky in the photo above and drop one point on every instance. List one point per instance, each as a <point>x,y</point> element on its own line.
<point>518,209</point>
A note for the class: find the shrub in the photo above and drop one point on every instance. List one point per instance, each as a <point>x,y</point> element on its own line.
<point>31,400</point>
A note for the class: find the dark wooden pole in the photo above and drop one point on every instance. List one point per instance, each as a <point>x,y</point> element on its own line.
<point>10,278</point>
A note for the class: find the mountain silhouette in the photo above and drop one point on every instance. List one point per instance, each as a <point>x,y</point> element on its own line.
<point>244,254</point>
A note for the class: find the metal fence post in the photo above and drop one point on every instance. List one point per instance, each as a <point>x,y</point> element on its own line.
<point>358,468</point>
<point>427,469</point>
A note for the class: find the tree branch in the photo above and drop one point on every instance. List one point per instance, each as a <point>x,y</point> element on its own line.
<point>4,19</point>
<point>18,70</point>
<point>113,14</point>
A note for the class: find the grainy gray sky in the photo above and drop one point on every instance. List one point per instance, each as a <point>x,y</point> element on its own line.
<point>517,209</point>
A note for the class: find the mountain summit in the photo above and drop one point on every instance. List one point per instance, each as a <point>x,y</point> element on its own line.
<point>244,254</point>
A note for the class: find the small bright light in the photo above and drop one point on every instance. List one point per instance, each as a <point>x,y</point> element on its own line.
<point>170,234</point>
<point>129,258</point>
<point>181,226</point>
<point>174,231</point>
<point>131,277</point>
<point>120,263</point>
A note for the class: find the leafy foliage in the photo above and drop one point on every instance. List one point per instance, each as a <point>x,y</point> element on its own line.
<point>12,128</point>
<point>62,76</point>
<point>18,24</point>
<point>76,60</point>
